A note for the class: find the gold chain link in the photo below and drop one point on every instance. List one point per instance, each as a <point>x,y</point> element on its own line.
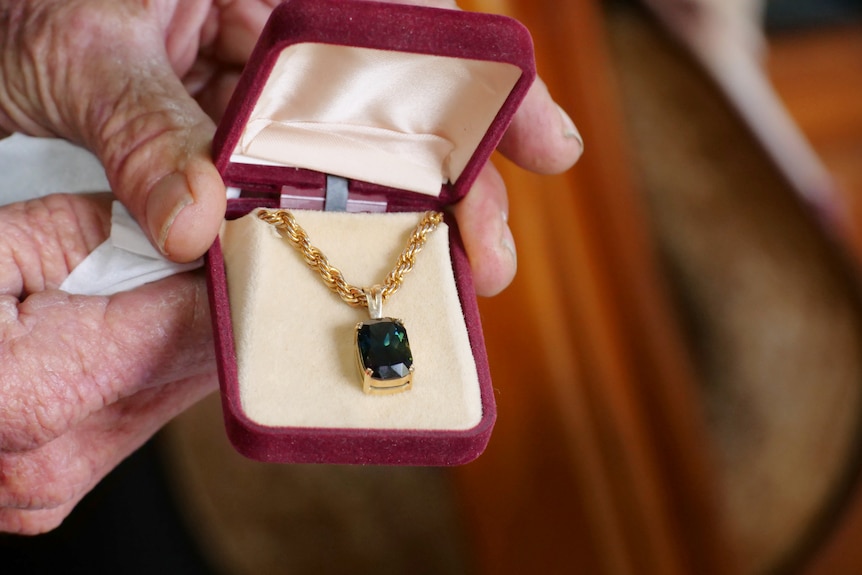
<point>354,296</point>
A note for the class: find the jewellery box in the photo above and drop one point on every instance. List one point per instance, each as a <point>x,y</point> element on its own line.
<point>358,117</point>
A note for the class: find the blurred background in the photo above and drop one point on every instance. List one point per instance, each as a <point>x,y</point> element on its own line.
<point>677,365</point>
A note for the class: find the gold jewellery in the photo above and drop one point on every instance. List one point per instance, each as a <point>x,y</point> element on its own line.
<point>382,348</point>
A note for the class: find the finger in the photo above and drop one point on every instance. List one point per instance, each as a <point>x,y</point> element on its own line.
<point>213,89</point>
<point>39,488</point>
<point>106,81</point>
<point>482,220</point>
<point>154,141</point>
<point>25,522</point>
<point>234,27</point>
<point>65,357</point>
<point>155,146</point>
<point>44,239</point>
<point>542,137</point>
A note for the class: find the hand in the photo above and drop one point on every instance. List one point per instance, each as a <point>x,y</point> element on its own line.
<point>131,81</point>
<point>85,380</point>
<point>119,78</point>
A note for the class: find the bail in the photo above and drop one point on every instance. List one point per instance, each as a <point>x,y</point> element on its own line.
<point>374,299</point>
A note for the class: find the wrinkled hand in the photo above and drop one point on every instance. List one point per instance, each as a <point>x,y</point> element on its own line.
<point>118,78</point>
<point>133,81</point>
<point>84,380</point>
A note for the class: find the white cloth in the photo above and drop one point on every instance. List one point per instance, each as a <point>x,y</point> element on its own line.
<point>36,167</point>
<point>124,261</point>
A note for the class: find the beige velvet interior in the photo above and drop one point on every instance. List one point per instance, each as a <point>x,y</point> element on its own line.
<point>408,121</point>
<point>295,338</point>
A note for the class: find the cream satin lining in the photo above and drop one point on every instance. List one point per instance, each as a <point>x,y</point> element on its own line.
<point>409,121</point>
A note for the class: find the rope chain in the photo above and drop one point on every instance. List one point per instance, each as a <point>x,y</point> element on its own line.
<point>286,224</point>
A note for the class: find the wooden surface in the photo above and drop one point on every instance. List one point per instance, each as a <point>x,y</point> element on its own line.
<point>772,311</point>
<point>818,74</point>
<point>596,464</point>
<point>599,462</point>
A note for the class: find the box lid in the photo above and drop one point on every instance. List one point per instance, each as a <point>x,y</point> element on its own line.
<point>401,97</point>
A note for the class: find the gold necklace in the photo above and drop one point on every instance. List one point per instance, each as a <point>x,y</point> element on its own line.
<point>382,349</point>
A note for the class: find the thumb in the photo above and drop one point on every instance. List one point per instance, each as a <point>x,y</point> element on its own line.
<point>99,74</point>
<point>154,141</point>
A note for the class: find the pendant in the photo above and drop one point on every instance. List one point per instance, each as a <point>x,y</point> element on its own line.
<point>383,350</point>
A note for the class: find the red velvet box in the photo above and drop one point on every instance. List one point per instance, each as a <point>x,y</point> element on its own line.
<point>405,104</point>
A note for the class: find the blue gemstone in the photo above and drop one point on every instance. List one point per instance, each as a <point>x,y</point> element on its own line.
<point>384,348</point>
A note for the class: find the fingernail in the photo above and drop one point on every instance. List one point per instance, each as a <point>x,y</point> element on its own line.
<point>508,240</point>
<point>570,131</point>
<point>168,198</point>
